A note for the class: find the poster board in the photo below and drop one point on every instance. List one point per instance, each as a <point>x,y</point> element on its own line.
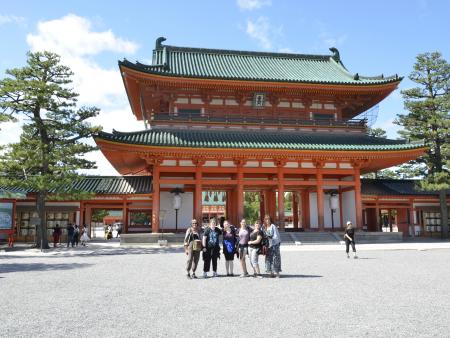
<point>7,215</point>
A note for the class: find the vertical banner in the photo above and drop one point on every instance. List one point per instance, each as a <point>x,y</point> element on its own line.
<point>6,215</point>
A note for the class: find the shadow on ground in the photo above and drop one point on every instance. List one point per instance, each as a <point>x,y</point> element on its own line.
<point>94,252</point>
<point>301,276</point>
<point>28,267</point>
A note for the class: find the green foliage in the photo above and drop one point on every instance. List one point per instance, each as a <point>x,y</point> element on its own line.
<point>99,214</point>
<point>384,174</point>
<point>376,132</point>
<point>428,121</point>
<point>51,147</point>
<point>251,207</point>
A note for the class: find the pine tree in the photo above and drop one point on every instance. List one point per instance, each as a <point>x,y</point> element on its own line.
<point>428,120</point>
<point>51,148</point>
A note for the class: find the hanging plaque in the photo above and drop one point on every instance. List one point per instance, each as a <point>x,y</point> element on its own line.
<point>259,100</point>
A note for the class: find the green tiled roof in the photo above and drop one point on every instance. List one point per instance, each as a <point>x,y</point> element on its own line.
<point>255,66</point>
<point>107,185</point>
<point>260,139</point>
<point>389,187</point>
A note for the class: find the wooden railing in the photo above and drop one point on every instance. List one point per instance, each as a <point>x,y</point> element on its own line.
<point>258,120</point>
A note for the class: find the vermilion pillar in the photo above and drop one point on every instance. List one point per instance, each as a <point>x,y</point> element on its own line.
<point>198,192</point>
<point>295,208</point>
<point>270,203</point>
<point>358,200</point>
<point>305,209</point>
<point>262,209</point>
<point>320,202</point>
<point>155,201</point>
<point>240,193</point>
<point>125,215</point>
<point>280,177</point>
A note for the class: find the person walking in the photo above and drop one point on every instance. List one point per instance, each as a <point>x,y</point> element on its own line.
<point>84,236</point>
<point>76,236</point>
<point>118,229</point>
<point>229,246</point>
<point>211,247</point>
<point>273,257</point>
<point>349,237</point>
<point>244,237</point>
<point>192,248</point>
<point>56,235</point>
<point>70,230</point>
<point>254,247</point>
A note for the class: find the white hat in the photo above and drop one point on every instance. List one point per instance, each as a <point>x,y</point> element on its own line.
<point>349,222</point>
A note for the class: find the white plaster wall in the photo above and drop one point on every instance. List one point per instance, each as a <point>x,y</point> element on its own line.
<point>349,207</point>
<point>327,214</point>
<point>185,214</point>
<point>313,217</point>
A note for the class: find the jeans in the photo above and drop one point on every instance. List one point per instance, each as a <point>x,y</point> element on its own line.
<point>348,243</point>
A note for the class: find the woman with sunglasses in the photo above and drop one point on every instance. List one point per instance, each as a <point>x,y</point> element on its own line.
<point>192,248</point>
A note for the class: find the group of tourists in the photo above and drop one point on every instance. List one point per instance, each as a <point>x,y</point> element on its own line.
<point>75,235</point>
<point>246,241</point>
<point>109,230</point>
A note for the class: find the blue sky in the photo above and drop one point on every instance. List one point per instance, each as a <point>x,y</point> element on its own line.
<point>373,37</point>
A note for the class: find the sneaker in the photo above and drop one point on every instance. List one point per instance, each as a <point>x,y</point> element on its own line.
<point>243,275</point>
<point>205,275</point>
<point>259,276</point>
<point>215,274</point>
<point>188,276</point>
<point>355,256</point>
<point>194,276</point>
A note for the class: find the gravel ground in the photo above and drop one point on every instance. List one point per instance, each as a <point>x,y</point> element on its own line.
<point>137,292</point>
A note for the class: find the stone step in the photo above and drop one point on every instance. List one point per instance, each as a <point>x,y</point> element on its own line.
<point>287,238</point>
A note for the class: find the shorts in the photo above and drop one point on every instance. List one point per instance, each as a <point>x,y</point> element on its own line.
<point>243,250</point>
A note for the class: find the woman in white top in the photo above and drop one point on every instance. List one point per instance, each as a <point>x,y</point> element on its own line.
<point>84,236</point>
<point>273,257</point>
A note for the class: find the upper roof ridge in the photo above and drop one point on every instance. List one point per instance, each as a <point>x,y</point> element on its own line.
<point>246,52</point>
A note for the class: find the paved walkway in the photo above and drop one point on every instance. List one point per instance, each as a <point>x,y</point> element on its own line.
<point>109,291</point>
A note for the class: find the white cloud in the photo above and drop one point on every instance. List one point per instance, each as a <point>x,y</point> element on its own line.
<point>330,40</point>
<point>73,38</point>
<point>252,4</point>
<point>262,31</point>
<point>10,132</point>
<point>72,35</point>
<point>78,43</point>
<point>4,19</point>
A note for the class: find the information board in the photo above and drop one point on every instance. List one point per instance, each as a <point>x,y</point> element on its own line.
<point>6,215</point>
